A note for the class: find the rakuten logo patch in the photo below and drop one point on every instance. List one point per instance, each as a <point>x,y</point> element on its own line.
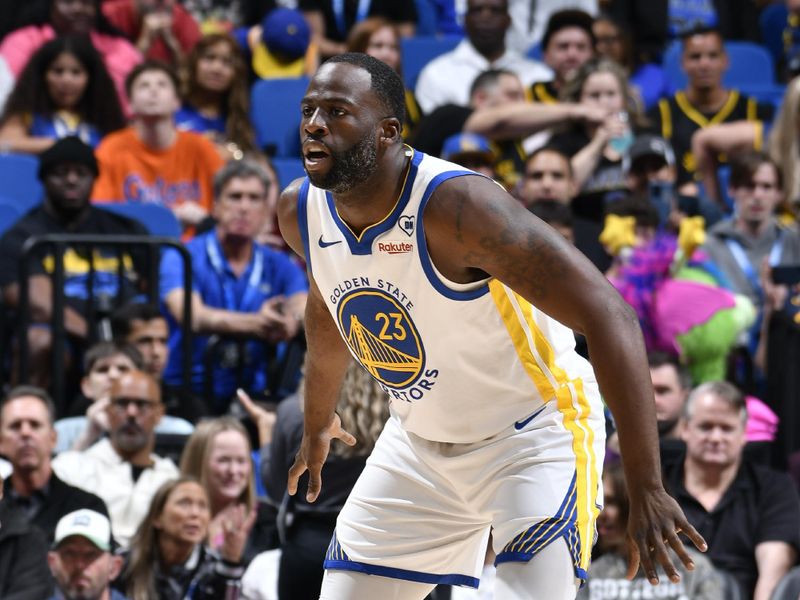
<point>395,247</point>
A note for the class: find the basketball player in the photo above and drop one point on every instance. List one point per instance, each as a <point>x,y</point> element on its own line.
<point>458,301</point>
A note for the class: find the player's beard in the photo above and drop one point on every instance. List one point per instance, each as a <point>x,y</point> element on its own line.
<point>350,167</point>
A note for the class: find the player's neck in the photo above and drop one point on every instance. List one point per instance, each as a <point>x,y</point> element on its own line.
<point>371,201</point>
<point>156,133</point>
<point>707,99</point>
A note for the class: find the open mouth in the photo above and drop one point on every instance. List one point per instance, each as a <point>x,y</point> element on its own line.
<point>314,155</point>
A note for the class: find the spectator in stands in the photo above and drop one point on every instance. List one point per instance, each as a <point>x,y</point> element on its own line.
<point>82,560</point>
<point>216,16</point>
<point>671,384</point>
<point>784,143</point>
<point>67,171</point>
<point>548,178</point>
<point>748,513</point>
<point>614,42</point>
<point>216,99</point>
<point>122,469</point>
<point>52,18</point>
<point>704,102</point>
<point>654,24</point>
<point>63,90</point>
<point>168,557</point>
<point>104,363</point>
<point>609,579</point>
<point>280,46</point>
<point>447,78</point>
<point>163,29</point>
<point>240,289</point>
<point>529,20</point>
<point>331,21</point>
<point>380,38</point>
<point>596,150</point>
<point>470,151</point>
<point>28,438</point>
<point>218,455</point>
<point>568,43</point>
<point>740,244</point>
<point>23,555</point>
<point>152,161</point>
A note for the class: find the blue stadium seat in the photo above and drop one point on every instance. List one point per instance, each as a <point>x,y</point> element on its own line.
<point>157,219</point>
<point>9,214</point>
<point>19,180</point>
<point>417,52</point>
<point>275,114</point>
<point>288,169</point>
<point>750,64</point>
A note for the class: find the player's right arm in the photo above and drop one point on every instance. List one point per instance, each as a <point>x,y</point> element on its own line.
<point>327,359</point>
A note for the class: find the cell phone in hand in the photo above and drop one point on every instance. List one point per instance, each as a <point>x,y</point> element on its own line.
<point>786,274</point>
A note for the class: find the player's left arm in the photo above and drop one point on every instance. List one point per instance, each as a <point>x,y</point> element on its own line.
<point>473,226</point>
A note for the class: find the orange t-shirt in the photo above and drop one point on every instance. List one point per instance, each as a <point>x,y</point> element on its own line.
<point>133,172</point>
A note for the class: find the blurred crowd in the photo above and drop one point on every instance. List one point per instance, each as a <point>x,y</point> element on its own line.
<point>151,339</point>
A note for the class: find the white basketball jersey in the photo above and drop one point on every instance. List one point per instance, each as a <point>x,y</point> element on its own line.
<point>459,362</point>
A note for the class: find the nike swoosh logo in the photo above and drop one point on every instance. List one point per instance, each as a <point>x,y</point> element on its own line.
<point>521,424</point>
<point>324,244</point>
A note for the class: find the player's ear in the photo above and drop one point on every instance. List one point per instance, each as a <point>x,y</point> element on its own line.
<point>390,131</point>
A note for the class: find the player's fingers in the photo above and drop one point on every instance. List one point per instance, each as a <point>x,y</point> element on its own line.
<point>675,543</point>
<point>686,528</point>
<point>346,437</point>
<point>295,471</point>
<point>661,554</point>
<point>633,560</point>
<point>314,483</point>
<point>646,552</point>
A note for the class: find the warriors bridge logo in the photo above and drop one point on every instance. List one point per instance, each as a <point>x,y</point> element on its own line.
<point>382,336</point>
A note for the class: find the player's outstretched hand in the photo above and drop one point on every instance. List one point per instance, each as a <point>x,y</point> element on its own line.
<point>653,525</point>
<point>312,454</point>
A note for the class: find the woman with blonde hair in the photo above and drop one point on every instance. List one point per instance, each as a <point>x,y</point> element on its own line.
<point>168,559</point>
<point>218,455</point>
<point>784,144</point>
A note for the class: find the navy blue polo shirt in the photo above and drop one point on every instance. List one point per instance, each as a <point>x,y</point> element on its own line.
<point>269,274</point>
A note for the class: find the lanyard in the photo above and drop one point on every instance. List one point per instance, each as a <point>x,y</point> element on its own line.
<point>338,13</point>
<point>740,256</point>
<point>251,291</point>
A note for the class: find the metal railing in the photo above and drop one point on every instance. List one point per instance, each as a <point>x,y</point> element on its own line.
<point>121,245</point>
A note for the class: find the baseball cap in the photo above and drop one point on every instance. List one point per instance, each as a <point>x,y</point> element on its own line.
<point>86,523</point>
<point>648,145</point>
<point>281,50</point>
<point>467,145</point>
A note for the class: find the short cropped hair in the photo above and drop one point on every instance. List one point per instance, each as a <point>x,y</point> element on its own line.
<point>103,350</point>
<point>488,79</point>
<point>659,359</point>
<point>146,67</point>
<point>124,316</point>
<point>551,150</point>
<point>552,212</point>
<point>727,392</point>
<point>386,83</point>
<point>240,169</point>
<point>684,35</point>
<point>24,391</point>
<point>570,17</point>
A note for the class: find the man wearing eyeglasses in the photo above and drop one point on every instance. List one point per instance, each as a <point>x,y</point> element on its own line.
<point>122,468</point>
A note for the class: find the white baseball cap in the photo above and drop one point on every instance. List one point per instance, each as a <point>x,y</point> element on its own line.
<point>90,524</point>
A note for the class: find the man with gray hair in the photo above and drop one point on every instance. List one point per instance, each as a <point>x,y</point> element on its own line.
<point>748,513</point>
<point>240,287</point>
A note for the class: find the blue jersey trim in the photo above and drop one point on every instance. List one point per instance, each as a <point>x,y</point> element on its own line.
<point>418,576</point>
<point>425,258</point>
<point>363,245</point>
<point>302,219</point>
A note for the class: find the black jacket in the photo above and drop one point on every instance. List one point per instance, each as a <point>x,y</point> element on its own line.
<point>61,500</point>
<point>24,574</point>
